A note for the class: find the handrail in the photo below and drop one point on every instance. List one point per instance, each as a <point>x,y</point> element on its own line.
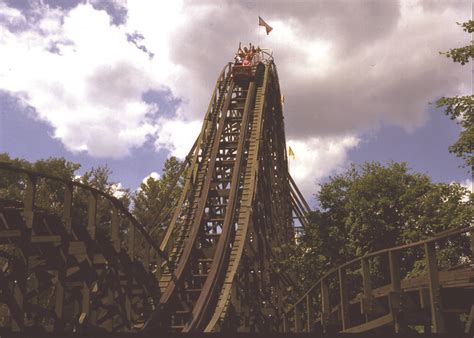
<point>10,167</point>
<point>437,237</point>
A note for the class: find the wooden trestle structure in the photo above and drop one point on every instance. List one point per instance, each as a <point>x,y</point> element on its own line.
<point>215,268</point>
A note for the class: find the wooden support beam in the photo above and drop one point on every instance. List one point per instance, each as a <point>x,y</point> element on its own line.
<point>59,299</point>
<point>92,214</point>
<point>29,200</point>
<point>114,228</point>
<point>309,312</point>
<point>471,235</point>
<point>131,241</point>
<point>146,254</point>
<point>393,262</point>
<point>19,295</point>
<point>434,286</point>
<point>286,324</point>
<point>298,324</point>
<point>108,323</point>
<point>325,305</point>
<point>85,304</point>
<point>395,296</point>
<point>367,287</point>
<point>424,294</point>
<point>470,320</point>
<point>344,299</point>
<point>67,208</point>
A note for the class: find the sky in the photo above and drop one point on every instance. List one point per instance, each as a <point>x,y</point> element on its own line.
<point>127,83</point>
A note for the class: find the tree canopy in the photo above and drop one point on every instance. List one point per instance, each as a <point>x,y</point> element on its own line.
<point>461,108</point>
<point>155,200</point>
<point>373,207</point>
<point>152,204</point>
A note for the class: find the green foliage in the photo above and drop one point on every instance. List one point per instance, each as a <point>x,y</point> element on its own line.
<point>465,53</point>
<point>373,207</point>
<point>50,193</point>
<point>156,198</point>
<point>460,108</point>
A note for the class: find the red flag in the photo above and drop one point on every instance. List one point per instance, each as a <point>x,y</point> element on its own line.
<point>262,22</point>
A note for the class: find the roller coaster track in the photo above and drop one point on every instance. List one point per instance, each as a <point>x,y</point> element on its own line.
<point>215,266</point>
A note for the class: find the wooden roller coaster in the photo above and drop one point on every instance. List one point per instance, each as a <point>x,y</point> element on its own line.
<point>215,268</point>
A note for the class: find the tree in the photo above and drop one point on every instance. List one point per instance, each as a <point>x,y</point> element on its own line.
<point>461,108</point>
<point>373,207</point>
<point>155,200</point>
<point>50,194</point>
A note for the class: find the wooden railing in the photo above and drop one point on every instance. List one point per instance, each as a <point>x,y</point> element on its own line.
<point>116,208</point>
<point>327,302</point>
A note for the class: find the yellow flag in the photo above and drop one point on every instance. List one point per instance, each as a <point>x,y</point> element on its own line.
<point>291,153</point>
<point>283,99</point>
<point>261,22</point>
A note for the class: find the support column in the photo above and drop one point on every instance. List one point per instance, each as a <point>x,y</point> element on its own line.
<point>434,286</point>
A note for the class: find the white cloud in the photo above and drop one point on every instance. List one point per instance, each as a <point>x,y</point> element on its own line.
<point>317,158</point>
<point>117,190</point>
<point>468,184</point>
<point>156,176</point>
<point>89,88</point>
<point>344,67</point>
<point>177,136</point>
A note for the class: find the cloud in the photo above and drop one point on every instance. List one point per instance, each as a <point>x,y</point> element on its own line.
<point>117,190</point>
<point>156,176</point>
<point>88,87</point>
<point>345,68</point>
<point>468,184</point>
<point>177,136</point>
<point>316,158</point>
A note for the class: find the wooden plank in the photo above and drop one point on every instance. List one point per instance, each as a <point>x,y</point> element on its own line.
<point>13,233</point>
<point>434,286</point>
<point>77,248</point>
<point>46,239</point>
<point>373,324</point>
<point>99,259</point>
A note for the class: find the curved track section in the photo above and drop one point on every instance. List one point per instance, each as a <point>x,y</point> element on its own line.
<point>67,271</point>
